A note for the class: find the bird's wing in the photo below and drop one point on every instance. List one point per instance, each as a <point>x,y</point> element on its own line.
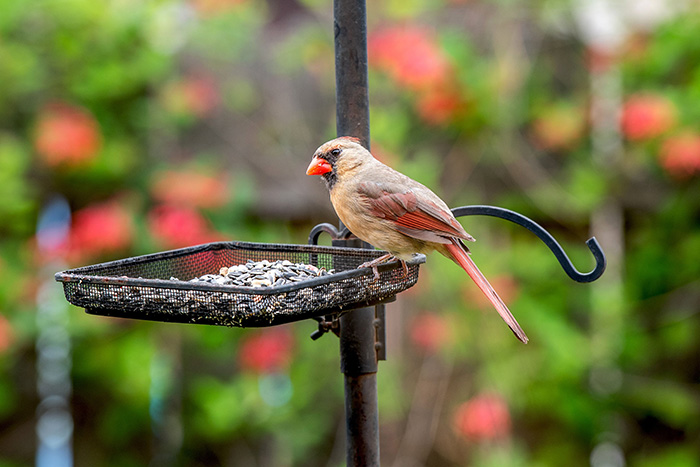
<point>412,214</point>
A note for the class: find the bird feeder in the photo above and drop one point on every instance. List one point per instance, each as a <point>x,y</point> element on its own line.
<point>160,286</point>
<point>349,302</point>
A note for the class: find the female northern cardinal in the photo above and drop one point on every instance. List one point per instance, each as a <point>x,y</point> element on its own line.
<point>395,213</point>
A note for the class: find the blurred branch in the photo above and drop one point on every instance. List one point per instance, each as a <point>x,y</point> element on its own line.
<point>677,305</point>
<point>514,68</point>
<point>426,409</point>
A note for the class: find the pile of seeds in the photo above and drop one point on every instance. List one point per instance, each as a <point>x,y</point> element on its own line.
<point>263,274</point>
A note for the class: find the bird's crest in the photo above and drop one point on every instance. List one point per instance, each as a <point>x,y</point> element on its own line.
<point>339,143</point>
<point>350,138</point>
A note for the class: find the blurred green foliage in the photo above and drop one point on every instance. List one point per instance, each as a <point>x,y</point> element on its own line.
<point>120,106</point>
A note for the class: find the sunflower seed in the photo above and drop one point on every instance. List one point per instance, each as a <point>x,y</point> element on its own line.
<point>264,273</point>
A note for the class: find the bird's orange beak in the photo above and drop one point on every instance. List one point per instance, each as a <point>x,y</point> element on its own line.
<point>318,166</point>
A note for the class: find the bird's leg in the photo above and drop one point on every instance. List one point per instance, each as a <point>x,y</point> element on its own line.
<point>376,262</point>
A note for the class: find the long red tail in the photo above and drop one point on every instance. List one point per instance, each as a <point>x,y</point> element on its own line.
<point>459,254</point>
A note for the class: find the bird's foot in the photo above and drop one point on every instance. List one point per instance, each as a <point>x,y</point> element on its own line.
<point>376,262</point>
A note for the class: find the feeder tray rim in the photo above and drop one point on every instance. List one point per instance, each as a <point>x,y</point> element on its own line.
<point>77,274</point>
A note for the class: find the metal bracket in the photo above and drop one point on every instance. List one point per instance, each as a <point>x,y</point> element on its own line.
<point>380,331</point>
<point>326,323</point>
<point>331,230</point>
<point>332,322</point>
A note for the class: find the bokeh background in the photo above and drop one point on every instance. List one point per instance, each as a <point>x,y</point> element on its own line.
<point>129,127</point>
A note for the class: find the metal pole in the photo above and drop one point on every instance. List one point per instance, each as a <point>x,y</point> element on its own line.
<point>352,98</point>
<point>358,356</point>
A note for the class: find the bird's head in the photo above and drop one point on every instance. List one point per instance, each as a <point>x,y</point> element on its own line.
<point>338,158</point>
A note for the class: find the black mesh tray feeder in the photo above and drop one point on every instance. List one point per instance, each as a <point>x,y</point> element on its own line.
<point>143,287</point>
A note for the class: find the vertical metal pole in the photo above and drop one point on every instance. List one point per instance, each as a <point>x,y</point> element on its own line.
<point>358,358</point>
<point>352,98</point>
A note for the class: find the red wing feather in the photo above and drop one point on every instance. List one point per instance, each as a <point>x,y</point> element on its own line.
<point>422,220</point>
<point>410,212</point>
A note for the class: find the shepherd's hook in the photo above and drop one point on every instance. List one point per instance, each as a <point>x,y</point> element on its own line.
<point>546,237</point>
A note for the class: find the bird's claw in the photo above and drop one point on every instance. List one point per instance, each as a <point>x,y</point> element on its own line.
<point>374,267</point>
<point>376,262</point>
<point>382,259</point>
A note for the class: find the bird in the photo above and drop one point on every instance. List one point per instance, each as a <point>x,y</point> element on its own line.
<point>395,213</point>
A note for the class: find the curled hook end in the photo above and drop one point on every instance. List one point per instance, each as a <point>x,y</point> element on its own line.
<point>600,262</point>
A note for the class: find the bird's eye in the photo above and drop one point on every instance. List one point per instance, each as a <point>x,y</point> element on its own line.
<point>335,152</point>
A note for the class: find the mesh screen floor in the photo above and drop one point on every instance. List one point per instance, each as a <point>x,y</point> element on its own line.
<point>140,287</point>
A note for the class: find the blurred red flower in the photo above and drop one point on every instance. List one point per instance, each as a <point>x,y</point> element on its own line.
<point>430,332</point>
<point>646,116</point>
<point>680,154</point>
<point>191,96</point>
<point>100,229</point>
<point>188,188</point>
<point>66,135</point>
<point>7,335</point>
<point>413,58</point>
<point>484,417</point>
<point>214,7</point>
<point>179,226</point>
<point>266,351</point>
<point>559,127</point>
<point>410,55</point>
<point>439,105</point>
